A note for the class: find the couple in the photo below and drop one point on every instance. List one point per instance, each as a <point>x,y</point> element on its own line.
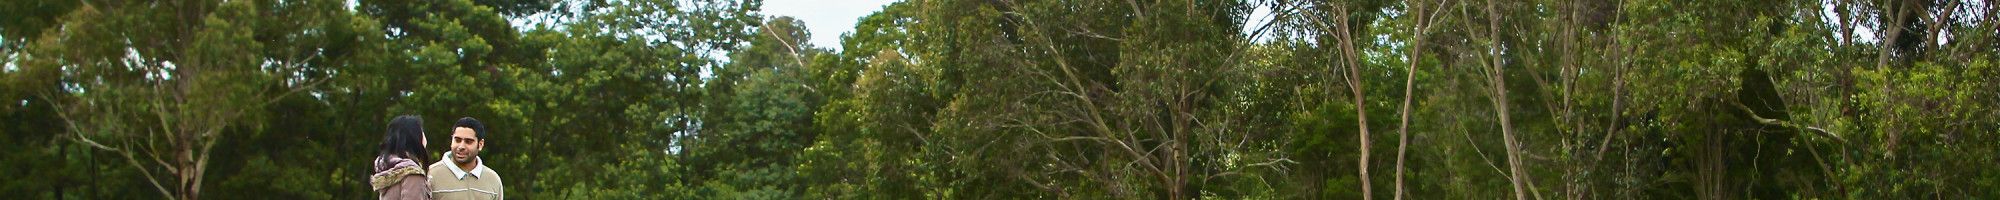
<point>399,174</point>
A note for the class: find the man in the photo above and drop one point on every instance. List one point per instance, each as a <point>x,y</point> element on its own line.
<point>462,175</point>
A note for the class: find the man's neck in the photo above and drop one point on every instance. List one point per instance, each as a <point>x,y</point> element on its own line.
<point>467,166</point>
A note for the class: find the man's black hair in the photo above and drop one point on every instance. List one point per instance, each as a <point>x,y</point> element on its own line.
<point>478,130</point>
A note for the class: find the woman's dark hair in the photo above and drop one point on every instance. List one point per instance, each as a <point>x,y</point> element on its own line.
<point>404,139</point>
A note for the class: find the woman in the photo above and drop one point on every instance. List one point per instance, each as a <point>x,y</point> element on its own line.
<point>399,171</point>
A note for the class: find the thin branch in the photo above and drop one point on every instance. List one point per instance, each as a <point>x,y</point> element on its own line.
<point>81,137</point>
<point>1787,124</point>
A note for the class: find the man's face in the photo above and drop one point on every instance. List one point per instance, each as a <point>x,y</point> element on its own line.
<point>465,145</point>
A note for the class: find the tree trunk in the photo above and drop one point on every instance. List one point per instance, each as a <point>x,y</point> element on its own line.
<point>1360,102</point>
<point>1893,33</point>
<point>1498,82</point>
<point>1345,41</point>
<point>1409,86</point>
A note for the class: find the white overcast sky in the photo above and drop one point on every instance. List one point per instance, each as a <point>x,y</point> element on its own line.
<point>827,19</point>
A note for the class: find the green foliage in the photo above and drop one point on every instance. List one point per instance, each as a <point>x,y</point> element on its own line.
<point>966,99</point>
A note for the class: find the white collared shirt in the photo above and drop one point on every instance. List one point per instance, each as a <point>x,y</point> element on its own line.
<point>461,173</point>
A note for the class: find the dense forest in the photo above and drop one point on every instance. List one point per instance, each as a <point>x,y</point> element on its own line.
<point>1014,99</point>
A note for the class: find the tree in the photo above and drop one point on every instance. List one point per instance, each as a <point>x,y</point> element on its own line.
<point>759,118</point>
<point>1499,83</point>
<point>179,79</point>
<point>967,99</point>
<point>1423,19</point>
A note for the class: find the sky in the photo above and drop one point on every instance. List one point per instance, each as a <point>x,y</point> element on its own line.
<point>827,19</point>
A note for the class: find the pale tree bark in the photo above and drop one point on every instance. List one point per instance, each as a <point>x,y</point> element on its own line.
<point>1615,60</point>
<point>1892,32</point>
<point>1938,22</point>
<point>1345,36</point>
<point>1141,153</point>
<point>176,127</point>
<point>166,126</point>
<point>1497,80</point>
<point>1422,26</point>
<point>1847,20</point>
<point>1568,124</point>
